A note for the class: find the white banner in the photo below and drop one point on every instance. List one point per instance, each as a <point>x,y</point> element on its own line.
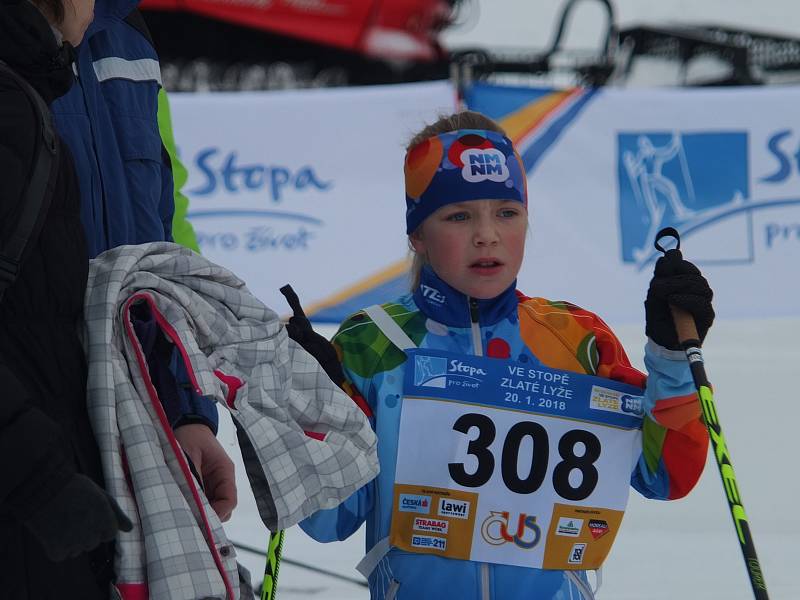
<point>607,170</point>
<point>302,187</point>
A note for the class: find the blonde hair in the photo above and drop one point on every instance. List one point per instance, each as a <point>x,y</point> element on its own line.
<point>466,119</point>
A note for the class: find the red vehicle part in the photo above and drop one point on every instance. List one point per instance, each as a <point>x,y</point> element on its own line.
<point>386,29</point>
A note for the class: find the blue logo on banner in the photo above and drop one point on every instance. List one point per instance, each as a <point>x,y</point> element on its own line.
<point>677,179</point>
<point>269,227</point>
<point>430,371</point>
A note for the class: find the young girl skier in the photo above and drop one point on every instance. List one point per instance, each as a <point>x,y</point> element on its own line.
<point>510,427</point>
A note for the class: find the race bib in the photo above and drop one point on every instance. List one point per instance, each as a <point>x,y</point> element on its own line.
<point>509,463</point>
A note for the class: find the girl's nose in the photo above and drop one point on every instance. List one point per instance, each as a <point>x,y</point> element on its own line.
<point>485,234</point>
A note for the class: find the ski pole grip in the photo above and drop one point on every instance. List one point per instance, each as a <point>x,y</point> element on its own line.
<point>684,324</point>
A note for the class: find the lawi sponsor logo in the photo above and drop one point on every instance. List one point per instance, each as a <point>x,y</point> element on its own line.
<point>458,509</point>
<point>706,181</point>
<point>414,503</point>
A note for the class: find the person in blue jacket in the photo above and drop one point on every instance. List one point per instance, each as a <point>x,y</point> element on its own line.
<point>109,121</point>
<point>510,428</point>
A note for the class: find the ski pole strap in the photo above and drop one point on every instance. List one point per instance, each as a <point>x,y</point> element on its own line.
<point>389,327</point>
<point>269,588</point>
<point>39,191</point>
<point>370,562</point>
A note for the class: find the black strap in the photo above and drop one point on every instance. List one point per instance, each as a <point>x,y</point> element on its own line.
<point>136,20</point>
<point>39,191</point>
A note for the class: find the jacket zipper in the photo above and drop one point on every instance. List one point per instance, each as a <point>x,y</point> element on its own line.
<point>95,154</point>
<point>477,345</point>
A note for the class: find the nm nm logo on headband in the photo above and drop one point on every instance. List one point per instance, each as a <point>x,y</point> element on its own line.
<point>484,164</point>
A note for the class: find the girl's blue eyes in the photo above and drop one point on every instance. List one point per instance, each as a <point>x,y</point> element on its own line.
<point>505,213</point>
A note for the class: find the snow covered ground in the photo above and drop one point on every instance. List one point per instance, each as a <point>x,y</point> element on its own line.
<point>685,549</point>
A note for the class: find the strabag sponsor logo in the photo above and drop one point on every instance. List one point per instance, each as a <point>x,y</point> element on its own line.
<point>609,400</point>
<point>414,503</point>
<point>598,527</point>
<point>453,508</point>
<point>569,526</point>
<point>435,525</point>
<point>576,554</point>
<point>429,541</point>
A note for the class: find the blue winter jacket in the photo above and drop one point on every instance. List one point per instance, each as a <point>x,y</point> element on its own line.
<point>109,120</point>
<point>527,330</point>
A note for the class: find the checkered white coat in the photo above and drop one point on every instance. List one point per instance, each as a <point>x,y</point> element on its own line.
<point>239,354</point>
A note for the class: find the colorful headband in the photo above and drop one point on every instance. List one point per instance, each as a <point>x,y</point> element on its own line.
<point>468,164</point>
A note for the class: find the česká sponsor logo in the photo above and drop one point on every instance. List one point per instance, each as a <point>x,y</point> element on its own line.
<point>414,503</point>
<point>434,525</point>
<point>569,526</point>
<point>458,509</point>
<point>429,541</point>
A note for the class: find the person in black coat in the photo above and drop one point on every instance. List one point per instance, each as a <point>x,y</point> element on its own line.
<point>57,523</point>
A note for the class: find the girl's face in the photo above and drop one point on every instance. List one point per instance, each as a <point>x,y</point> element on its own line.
<point>475,246</point>
<point>78,15</point>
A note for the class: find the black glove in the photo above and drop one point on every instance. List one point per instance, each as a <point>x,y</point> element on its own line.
<point>300,330</point>
<point>78,518</point>
<point>679,283</point>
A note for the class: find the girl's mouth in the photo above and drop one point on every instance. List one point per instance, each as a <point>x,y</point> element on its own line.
<point>486,266</point>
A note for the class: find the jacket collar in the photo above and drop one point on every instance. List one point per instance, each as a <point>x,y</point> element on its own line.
<point>444,304</point>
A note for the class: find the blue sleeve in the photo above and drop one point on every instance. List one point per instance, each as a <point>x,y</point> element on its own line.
<point>191,407</point>
<point>343,521</point>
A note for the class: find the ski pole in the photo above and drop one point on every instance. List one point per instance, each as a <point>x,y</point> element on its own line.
<point>302,565</point>
<point>269,587</point>
<point>690,342</point>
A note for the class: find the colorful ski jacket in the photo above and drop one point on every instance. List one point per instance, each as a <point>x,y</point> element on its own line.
<point>536,331</point>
